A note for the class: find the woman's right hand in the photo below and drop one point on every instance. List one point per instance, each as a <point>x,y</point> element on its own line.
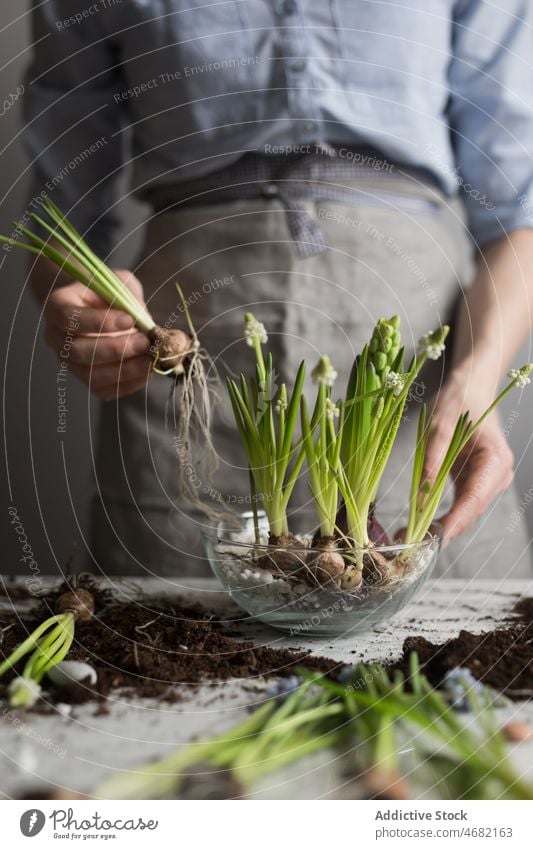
<point>107,353</point>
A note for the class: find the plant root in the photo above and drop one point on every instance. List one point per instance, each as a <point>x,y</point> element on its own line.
<point>191,402</point>
<point>181,356</point>
<point>378,569</point>
<point>279,560</point>
<point>171,349</point>
<point>328,565</point>
<point>194,390</point>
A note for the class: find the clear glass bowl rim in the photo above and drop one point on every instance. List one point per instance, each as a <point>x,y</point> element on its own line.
<point>435,535</point>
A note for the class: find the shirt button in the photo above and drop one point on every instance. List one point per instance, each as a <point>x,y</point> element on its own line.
<point>289,7</point>
<point>298,64</point>
<point>308,127</point>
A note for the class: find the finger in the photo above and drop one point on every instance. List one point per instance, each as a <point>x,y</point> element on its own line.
<point>68,319</point>
<point>97,377</point>
<point>484,475</point>
<point>79,295</point>
<point>98,349</point>
<point>76,295</point>
<point>76,308</point>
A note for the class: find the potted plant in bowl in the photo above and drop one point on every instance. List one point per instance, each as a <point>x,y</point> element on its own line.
<point>348,574</point>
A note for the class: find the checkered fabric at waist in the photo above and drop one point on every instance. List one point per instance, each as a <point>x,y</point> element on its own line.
<point>352,176</point>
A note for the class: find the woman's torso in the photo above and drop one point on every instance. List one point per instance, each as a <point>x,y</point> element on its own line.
<point>201,82</point>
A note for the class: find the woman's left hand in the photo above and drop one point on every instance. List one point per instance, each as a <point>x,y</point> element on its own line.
<point>483,470</point>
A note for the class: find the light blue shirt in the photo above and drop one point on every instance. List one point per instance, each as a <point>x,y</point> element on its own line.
<point>183,87</point>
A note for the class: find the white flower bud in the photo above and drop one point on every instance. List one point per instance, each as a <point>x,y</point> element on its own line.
<point>395,381</point>
<point>332,411</point>
<point>431,344</point>
<point>282,402</point>
<point>324,372</point>
<point>520,377</point>
<point>254,331</point>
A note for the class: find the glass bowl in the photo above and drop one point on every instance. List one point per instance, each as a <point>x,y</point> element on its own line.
<point>280,586</point>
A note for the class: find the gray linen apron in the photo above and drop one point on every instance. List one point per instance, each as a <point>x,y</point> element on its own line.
<point>384,257</point>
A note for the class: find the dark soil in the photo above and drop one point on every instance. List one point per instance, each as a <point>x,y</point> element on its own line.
<point>166,648</point>
<point>523,611</point>
<point>150,646</point>
<point>14,591</point>
<point>502,658</point>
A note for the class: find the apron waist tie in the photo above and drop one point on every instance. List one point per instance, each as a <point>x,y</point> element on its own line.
<point>311,176</point>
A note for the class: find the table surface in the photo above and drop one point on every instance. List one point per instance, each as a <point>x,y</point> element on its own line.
<point>78,750</point>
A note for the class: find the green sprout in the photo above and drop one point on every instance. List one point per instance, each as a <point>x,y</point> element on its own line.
<point>377,392</point>
<point>266,419</point>
<point>367,717</point>
<point>425,496</point>
<point>323,453</point>
<point>346,446</point>
<point>174,352</point>
<point>49,644</point>
<point>79,262</point>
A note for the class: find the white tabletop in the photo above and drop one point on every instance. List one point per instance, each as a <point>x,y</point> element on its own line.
<point>79,750</point>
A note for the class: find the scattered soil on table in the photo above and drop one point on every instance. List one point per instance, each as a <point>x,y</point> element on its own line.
<point>150,645</point>
<point>523,611</point>
<point>502,658</point>
<point>14,591</point>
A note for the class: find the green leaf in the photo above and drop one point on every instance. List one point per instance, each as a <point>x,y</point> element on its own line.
<point>292,411</point>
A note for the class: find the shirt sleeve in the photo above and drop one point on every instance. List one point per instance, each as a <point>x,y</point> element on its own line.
<point>71,122</point>
<point>491,114</point>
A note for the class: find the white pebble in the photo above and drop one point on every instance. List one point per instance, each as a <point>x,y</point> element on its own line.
<point>70,672</point>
